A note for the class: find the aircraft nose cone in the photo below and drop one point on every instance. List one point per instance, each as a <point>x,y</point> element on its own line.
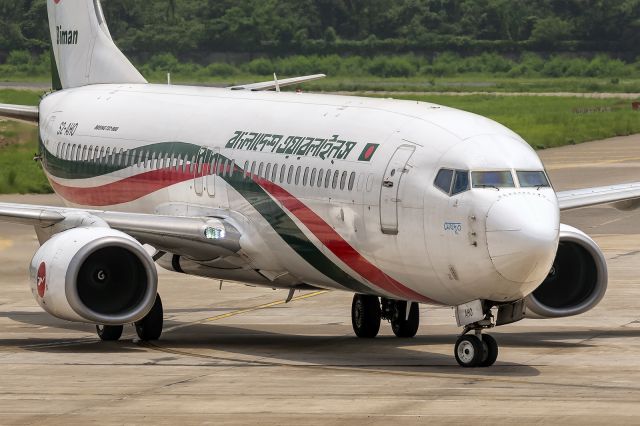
<point>522,236</point>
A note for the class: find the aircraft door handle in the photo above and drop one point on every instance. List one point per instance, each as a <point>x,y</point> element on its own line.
<point>387,184</point>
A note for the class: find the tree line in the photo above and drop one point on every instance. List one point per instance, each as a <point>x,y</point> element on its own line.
<point>193,29</point>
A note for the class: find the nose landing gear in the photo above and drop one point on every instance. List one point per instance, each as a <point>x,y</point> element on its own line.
<point>476,350</point>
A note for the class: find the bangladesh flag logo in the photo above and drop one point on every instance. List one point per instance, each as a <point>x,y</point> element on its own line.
<point>368,151</point>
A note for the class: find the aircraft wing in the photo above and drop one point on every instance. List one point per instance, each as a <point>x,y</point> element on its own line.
<point>188,236</point>
<point>624,195</point>
<point>20,112</point>
<point>274,84</point>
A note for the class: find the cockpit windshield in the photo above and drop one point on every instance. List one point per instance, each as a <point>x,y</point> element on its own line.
<point>533,179</point>
<point>493,179</point>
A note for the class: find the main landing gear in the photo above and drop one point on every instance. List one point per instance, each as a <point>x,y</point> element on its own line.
<point>471,350</point>
<point>148,328</point>
<point>368,311</point>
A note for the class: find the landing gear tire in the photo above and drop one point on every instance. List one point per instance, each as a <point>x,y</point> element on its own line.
<point>109,333</point>
<point>365,316</point>
<point>469,351</point>
<point>403,327</point>
<point>491,350</point>
<point>150,327</point>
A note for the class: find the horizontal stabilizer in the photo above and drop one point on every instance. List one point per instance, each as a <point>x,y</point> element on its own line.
<point>20,112</point>
<point>274,84</point>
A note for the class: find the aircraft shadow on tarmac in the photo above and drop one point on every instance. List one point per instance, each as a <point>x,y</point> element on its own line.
<point>294,345</point>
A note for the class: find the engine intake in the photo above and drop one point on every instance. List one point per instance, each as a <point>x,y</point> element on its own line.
<point>94,275</point>
<point>577,281</point>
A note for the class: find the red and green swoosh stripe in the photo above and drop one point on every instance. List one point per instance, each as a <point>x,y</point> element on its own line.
<point>262,194</point>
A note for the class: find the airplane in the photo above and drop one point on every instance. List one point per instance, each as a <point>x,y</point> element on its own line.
<point>402,203</point>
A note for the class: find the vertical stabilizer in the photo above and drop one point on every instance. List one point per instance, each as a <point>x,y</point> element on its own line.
<point>82,46</point>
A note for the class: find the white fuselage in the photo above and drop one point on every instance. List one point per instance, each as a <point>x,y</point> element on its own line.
<point>380,221</point>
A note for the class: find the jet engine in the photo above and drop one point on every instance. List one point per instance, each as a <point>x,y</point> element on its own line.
<point>577,281</point>
<point>94,275</point>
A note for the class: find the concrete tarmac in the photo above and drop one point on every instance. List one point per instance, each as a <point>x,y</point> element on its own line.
<point>240,355</point>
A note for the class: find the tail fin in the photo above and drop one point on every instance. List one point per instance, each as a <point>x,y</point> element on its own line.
<point>82,46</point>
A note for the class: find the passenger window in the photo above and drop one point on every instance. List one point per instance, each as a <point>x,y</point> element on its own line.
<point>298,170</point>
<point>193,165</point>
<point>352,180</point>
<point>141,154</point>
<point>461,182</point>
<point>320,176</point>
<point>343,180</point>
<point>101,155</point>
<point>260,167</point>
<point>84,153</point>
<point>253,169</point>
<point>370,182</point>
<point>305,178</point>
<point>73,152</point>
<point>282,171</point>
<point>334,184</point>
<point>443,181</point>
<point>360,184</point>
<point>274,175</point>
<point>58,150</point>
<point>290,175</point>
<point>246,169</point>
<point>312,178</point>
<point>267,172</point>
<point>67,152</point>
<point>327,179</point>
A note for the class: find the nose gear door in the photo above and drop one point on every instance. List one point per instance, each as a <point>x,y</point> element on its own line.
<point>390,189</point>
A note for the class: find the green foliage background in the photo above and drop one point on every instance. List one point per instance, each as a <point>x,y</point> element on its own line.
<point>196,28</point>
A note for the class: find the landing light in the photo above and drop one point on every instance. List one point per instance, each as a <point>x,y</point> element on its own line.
<point>214,233</point>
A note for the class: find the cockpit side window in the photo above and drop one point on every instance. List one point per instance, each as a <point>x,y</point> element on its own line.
<point>461,182</point>
<point>443,180</point>
<point>529,179</point>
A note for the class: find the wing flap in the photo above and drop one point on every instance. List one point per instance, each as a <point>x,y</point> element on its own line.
<point>20,112</point>
<point>579,198</point>
<point>273,84</point>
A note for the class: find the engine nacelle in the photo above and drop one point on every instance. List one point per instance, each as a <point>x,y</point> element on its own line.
<point>95,275</point>
<point>577,282</point>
